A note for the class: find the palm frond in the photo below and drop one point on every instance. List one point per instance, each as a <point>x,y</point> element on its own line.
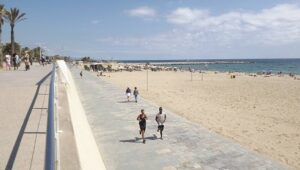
<point>20,17</point>
<point>13,16</point>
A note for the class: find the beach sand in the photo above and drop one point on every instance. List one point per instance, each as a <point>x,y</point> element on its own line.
<point>261,113</point>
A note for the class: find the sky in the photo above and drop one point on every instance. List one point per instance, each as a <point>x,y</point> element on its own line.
<point>159,29</point>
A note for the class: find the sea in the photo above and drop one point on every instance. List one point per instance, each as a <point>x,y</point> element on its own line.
<point>273,66</point>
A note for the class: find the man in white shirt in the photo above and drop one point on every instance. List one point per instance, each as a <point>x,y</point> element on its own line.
<point>160,119</point>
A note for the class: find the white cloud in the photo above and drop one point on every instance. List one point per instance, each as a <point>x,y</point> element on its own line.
<point>197,32</point>
<point>280,24</point>
<point>143,12</point>
<point>187,15</point>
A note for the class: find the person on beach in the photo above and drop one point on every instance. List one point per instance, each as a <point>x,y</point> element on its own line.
<point>160,119</point>
<point>128,93</point>
<point>8,61</point>
<point>135,93</point>
<point>80,74</point>
<point>142,123</point>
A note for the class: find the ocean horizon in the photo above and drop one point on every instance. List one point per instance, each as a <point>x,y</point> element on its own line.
<point>274,66</point>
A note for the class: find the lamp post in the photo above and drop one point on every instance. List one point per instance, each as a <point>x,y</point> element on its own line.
<point>191,75</point>
<point>147,65</point>
<point>40,54</point>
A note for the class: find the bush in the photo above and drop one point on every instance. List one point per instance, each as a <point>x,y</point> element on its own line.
<point>87,68</point>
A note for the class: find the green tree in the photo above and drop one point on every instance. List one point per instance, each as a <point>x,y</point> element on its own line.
<point>2,13</point>
<point>12,17</point>
<point>86,59</point>
<point>7,48</point>
<point>23,50</point>
<point>36,53</point>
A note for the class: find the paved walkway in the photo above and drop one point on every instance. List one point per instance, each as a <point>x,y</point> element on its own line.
<point>185,145</point>
<point>23,112</point>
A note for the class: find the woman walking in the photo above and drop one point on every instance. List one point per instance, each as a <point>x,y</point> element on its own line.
<point>128,93</point>
<point>142,122</point>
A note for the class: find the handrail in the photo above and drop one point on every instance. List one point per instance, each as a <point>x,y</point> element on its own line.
<point>50,140</point>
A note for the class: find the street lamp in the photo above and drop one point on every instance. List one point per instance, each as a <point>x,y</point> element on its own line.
<point>40,53</point>
<point>147,65</point>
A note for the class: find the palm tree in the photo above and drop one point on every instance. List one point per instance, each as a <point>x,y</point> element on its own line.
<point>12,17</point>
<point>2,13</point>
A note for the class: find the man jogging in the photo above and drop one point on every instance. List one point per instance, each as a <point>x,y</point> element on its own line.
<point>160,119</point>
<point>142,122</point>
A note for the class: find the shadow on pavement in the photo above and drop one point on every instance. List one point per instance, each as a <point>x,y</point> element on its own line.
<point>139,140</point>
<point>15,149</point>
<point>126,101</point>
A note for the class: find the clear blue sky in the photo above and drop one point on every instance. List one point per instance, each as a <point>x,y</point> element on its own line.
<point>160,29</point>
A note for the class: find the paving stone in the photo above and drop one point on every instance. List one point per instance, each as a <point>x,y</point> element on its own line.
<point>185,144</point>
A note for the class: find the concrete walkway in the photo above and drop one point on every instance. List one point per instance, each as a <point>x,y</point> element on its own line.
<point>185,145</point>
<point>23,112</point>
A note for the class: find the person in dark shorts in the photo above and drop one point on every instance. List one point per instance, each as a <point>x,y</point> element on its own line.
<point>142,123</point>
<point>160,119</point>
<point>80,74</point>
<point>135,93</point>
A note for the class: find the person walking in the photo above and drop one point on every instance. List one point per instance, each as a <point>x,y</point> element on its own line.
<point>8,61</point>
<point>26,61</point>
<point>160,119</point>
<point>142,123</point>
<point>43,60</point>
<point>135,93</point>
<point>128,93</point>
<point>18,61</point>
<point>30,60</point>
<point>14,61</point>
<point>80,74</point>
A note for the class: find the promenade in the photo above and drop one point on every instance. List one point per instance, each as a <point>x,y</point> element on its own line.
<point>24,102</point>
<point>185,145</point>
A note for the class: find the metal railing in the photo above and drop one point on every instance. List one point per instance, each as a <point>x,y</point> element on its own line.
<point>50,140</point>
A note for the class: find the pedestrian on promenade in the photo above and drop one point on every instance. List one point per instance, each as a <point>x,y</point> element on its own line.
<point>160,119</point>
<point>80,74</point>
<point>14,61</point>
<point>30,60</point>
<point>8,61</point>
<point>142,123</point>
<point>135,93</point>
<point>128,93</point>
<point>26,61</point>
<point>18,61</point>
<point>43,60</point>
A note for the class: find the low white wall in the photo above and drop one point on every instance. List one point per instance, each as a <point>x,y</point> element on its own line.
<point>89,155</point>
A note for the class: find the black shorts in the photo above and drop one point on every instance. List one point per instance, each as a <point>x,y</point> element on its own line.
<point>142,125</point>
<point>161,127</point>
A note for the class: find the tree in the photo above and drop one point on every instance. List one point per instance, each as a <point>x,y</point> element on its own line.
<point>36,53</point>
<point>2,13</point>
<point>86,59</point>
<point>12,17</point>
<point>7,48</point>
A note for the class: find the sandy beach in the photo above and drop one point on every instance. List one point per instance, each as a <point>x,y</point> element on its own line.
<point>261,113</point>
